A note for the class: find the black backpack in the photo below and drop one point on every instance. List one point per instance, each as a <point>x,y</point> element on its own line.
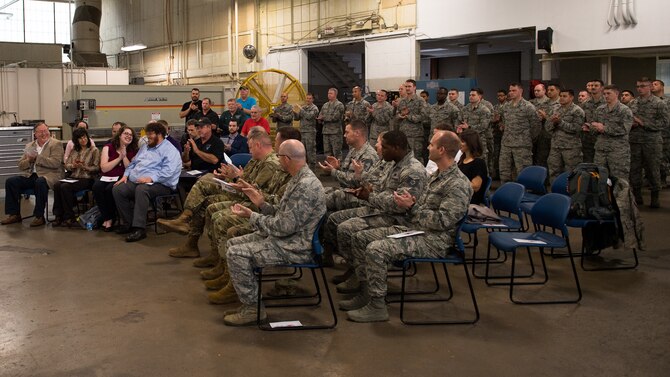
<point>590,195</point>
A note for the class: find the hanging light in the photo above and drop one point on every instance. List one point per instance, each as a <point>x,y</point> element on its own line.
<point>134,47</point>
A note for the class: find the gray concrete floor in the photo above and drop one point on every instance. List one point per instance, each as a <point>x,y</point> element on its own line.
<point>85,303</point>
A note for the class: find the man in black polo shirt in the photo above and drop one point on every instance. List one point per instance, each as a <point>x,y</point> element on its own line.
<point>207,112</point>
<point>205,153</point>
<point>190,109</point>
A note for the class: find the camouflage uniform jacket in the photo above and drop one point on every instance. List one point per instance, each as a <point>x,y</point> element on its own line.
<point>446,113</point>
<point>654,115</point>
<point>519,121</point>
<point>618,122</point>
<point>307,117</point>
<point>365,155</point>
<point>411,125</point>
<point>566,133</point>
<point>290,225</point>
<point>381,116</point>
<point>333,114</point>
<point>375,175</point>
<point>408,174</point>
<point>590,107</point>
<point>442,205</point>
<point>497,110</point>
<point>666,131</point>
<point>283,115</point>
<point>262,171</point>
<point>276,187</point>
<point>358,110</point>
<point>458,105</point>
<point>477,118</point>
<point>548,106</point>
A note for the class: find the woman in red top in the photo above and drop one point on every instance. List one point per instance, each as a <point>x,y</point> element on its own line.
<point>114,159</point>
<point>255,120</point>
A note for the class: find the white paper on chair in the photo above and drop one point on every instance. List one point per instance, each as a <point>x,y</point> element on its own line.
<point>227,159</point>
<point>108,179</point>
<point>285,324</point>
<point>409,233</point>
<point>496,225</point>
<point>531,242</point>
<point>225,185</point>
<point>194,172</point>
<point>69,180</point>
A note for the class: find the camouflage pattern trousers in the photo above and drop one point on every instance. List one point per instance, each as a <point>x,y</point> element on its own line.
<point>222,224</point>
<point>647,156</point>
<point>332,145</point>
<point>561,160</point>
<point>250,251</point>
<point>335,219</point>
<point>202,194</point>
<point>309,141</point>
<point>337,200</point>
<point>347,228</point>
<point>416,144</point>
<point>520,157</point>
<point>372,252</point>
<point>617,161</point>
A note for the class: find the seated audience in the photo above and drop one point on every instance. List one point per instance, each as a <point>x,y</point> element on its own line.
<point>233,113</point>
<point>191,133</point>
<point>116,126</point>
<point>472,165</point>
<point>114,159</point>
<point>42,167</point>
<point>83,164</point>
<point>154,171</point>
<point>206,152</point>
<point>234,143</point>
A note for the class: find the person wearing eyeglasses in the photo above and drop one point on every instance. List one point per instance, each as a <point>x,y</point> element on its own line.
<point>114,159</point>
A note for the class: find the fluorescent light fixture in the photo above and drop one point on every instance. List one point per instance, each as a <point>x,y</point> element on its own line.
<point>135,47</point>
<point>435,50</point>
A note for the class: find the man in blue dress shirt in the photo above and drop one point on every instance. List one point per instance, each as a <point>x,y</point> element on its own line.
<point>154,171</point>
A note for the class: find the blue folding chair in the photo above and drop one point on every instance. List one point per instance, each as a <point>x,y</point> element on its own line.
<point>487,191</point>
<point>240,159</point>
<point>454,255</point>
<point>505,201</point>
<point>560,184</point>
<point>550,212</point>
<point>532,178</point>
<point>315,264</point>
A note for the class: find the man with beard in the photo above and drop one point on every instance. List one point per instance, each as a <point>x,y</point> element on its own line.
<point>154,171</point>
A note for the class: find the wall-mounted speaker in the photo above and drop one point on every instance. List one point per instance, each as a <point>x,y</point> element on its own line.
<point>544,39</point>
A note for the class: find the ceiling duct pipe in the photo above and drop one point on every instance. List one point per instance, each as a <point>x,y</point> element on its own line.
<point>86,34</point>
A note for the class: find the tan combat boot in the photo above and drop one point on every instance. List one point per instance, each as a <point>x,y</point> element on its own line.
<point>210,260</point>
<point>214,272</point>
<point>179,224</point>
<point>218,283</point>
<point>247,315</point>
<point>226,295</point>
<point>187,250</point>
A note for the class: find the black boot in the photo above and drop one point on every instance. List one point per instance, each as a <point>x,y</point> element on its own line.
<point>654,200</point>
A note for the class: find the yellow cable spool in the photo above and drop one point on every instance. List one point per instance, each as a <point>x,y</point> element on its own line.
<point>268,85</point>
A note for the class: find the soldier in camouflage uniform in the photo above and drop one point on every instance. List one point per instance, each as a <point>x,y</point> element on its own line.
<point>612,123</point>
<point>283,232</point>
<point>219,219</point>
<point>410,115</point>
<point>206,191</point>
<point>519,121</point>
<point>360,151</point>
<point>476,116</point>
<point>453,98</point>
<point>332,114</point>
<point>545,107</point>
<point>307,115</point>
<point>406,174</point>
<point>589,107</point>
<point>283,114</point>
<point>357,108</point>
<point>658,89</point>
<point>380,115</point>
<point>501,95</point>
<point>489,134</point>
<point>650,118</point>
<point>443,112</point>
<point>436,212</point>
<point>565,128</point>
